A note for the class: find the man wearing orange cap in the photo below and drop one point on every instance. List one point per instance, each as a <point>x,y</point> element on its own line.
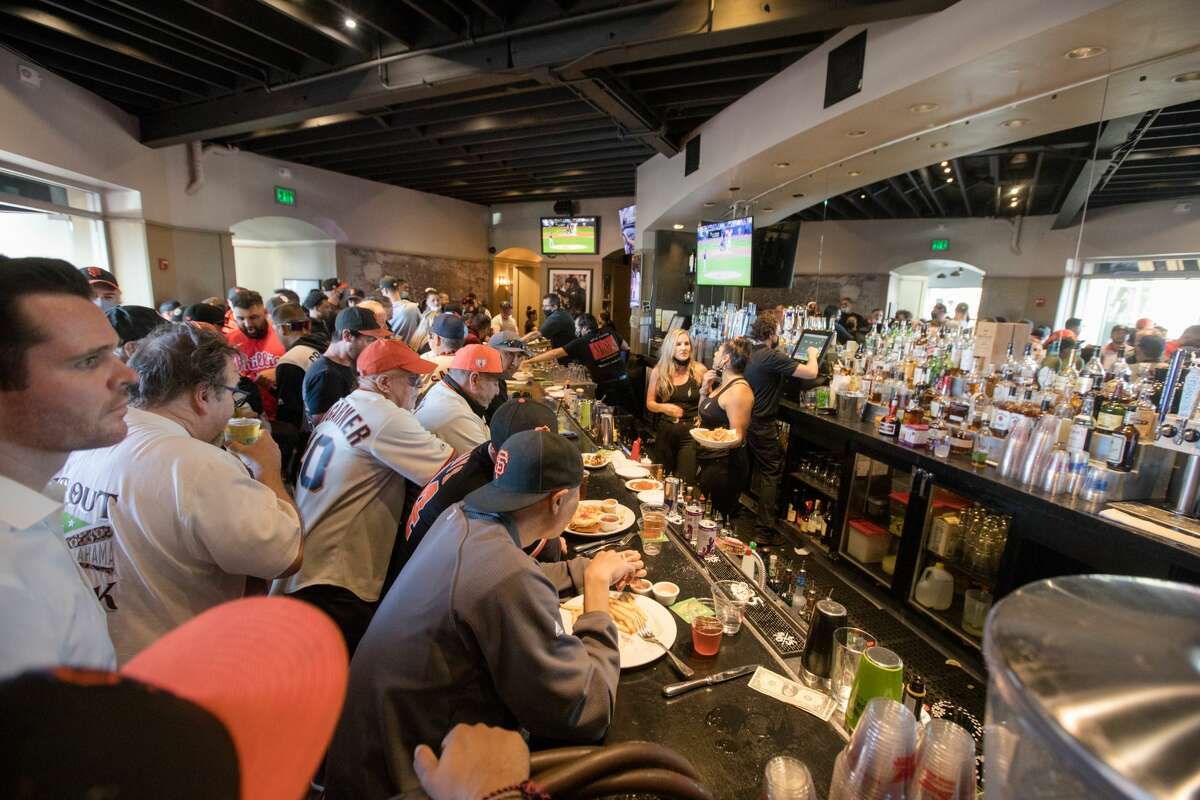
<point>453,409</point>
<point>351,487</point>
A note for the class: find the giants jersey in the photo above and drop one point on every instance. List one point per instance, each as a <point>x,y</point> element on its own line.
<point>351,490</point>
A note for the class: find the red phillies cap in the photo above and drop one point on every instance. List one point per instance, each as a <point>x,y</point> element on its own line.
<point>478,358</point>
<point>386,355</point>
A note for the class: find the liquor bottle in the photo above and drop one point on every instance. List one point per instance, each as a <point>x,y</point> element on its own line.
<point>1120,369</point>
<point>791,507</point>
<point>1080,437</point>
<point>1123,449</point>
<point>1050,364</point>
<point>1145,411</point>
<point>773,573</point>
<point>1093,375</point>
<point>786,585</point>
<point>1112,411</point>
<point>799,598</point>
<point>889,424</point>
<point>981,447</point>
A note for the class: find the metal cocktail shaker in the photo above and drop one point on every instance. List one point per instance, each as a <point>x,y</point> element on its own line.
<point>828,616</point>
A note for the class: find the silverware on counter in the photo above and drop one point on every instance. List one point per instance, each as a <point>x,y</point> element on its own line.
<point>619,541</point>
<point>676,689</point>
<point>683,669</point>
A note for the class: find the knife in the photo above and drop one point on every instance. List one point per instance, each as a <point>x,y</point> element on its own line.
<point>676,689</point>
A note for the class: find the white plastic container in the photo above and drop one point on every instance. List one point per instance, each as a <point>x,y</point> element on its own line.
<point>1092,692</point>
<point>935,589</point>
<point>866,542</point>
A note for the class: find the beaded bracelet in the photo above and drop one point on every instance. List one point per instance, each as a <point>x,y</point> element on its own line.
<point>526,790</point>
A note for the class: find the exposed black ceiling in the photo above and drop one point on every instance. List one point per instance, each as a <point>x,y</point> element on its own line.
<point>1142,158</point>
<point>485,100</point>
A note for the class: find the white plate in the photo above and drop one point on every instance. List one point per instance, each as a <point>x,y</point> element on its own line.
<point>651,497</point>
<point>607,461</point>
<point>630,469</point>
<point>555,391</point>
<point>624,512</point>
<point>636,651</point>
<point>698,435</point>
<point>629,485</point>
<point>522,377</point>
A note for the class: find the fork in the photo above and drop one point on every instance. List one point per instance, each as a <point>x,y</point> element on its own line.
<point>683,669</point>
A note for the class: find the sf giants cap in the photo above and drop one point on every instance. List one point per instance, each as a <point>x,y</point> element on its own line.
<point>238,702</point>
<point>519,414</point>
<point>478,358</point>
<point>530,465</point>
<point>389,354</point>
<point>329,284</point>
<point>359,320</point>
<point>97,275</point>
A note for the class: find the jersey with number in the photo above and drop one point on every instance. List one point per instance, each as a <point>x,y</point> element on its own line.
<point>351,490</point>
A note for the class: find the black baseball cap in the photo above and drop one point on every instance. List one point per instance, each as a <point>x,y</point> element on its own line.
<point>359,320</point>
<point>449,326</point>
<point>529,466</point>
<point>508,343</point>
<point>520,414</point>
<point>330,284</point>
<point>97,275</point>
<point>204,312</point>
<point>390,282</point>
<point>133,322</point>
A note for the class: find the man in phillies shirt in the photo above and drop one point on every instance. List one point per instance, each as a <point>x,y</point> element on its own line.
<point>259,348</point>
<point>600,352</point>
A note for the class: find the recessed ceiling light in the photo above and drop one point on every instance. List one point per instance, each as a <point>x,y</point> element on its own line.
<point>862,197</point>
<point>939,145</point>
<point>735,188</point>
<point>709,204</point>
<point>922,108</point>
<point>854,173</point>
<point>350,23</point>
<point>798,194</point>
<point>1015,123</point>
<point>1186,77</point>
<point>782,164</point>
<point>1080,53</point>
<point>949,180</point>
<point>767,208</point>
<point>1014,191</point>
<point>856,133</point>
<point>677,226</point>
<point>946,170</point>
<point>945,163</point>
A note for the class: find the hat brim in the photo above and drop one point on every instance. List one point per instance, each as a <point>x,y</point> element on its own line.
<point>378,333</point>
<point>493,499</point>
<point>101,282</point>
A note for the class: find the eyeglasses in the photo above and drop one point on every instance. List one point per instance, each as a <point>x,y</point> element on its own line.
<point>240,396</point>
<point>295,326</point>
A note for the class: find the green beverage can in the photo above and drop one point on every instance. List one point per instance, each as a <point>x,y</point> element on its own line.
<point>880,674</point>
<point>823,397</point>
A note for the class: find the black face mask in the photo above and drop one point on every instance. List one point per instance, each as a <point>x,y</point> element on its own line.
<point>681,362</point>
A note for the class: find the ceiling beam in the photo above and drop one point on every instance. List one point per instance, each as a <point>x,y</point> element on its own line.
<point>318,19</point>
<point>928,182</point>
<point>898,189</point>
<point>601,38</point>
<point>1114,133</point>
<point>962,184</point>
<point>1030,196</point>
<point>1123,151</point>
<point>497,154</point>
<point>877,197</point>
<point>386,18</point>
<point>281,28</point>
<point>439,16</point>
<point>623,107</point>
<point>152,92</point>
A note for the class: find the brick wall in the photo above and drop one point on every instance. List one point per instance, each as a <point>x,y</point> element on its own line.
<point>362,268</point>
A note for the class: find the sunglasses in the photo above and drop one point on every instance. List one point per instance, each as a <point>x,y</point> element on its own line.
<point>295,326</point>
<point>240,396</point>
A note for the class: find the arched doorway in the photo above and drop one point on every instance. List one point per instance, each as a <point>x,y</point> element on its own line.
<point>919,285</point>
<point>282,253</point>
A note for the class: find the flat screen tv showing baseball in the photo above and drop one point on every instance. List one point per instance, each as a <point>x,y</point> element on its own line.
<point>570,236</point>
<point>628,218</point>
<point>723,252</point>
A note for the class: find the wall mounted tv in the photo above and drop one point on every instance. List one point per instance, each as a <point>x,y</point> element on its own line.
<point>628,219</point>
<point>774,258</point>
<point>570,236</point>
<point>723,252</point>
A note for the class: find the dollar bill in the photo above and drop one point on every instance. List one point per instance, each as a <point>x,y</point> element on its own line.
<point>772,684</point>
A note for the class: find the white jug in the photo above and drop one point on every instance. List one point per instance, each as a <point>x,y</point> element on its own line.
<point>935,590</point>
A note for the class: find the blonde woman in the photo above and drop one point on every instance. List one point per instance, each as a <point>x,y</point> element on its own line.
<point>673,392</point>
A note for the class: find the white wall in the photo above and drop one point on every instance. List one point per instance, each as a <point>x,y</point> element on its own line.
<point>262,266</point>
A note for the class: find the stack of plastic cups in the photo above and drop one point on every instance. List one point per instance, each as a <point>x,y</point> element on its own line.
<point>877,764</point>
<point>787,778</point>
<point>945,768</point>
<point>1014,447</point>
<point>1041,444</point>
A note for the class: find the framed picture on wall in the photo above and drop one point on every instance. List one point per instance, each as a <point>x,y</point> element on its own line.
<point>573,287</point>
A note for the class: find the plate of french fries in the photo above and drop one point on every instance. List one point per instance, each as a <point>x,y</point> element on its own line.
<point>629,612</point>
<point>716,438</point>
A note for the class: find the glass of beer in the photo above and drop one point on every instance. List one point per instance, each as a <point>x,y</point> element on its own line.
<point>707,630</point>
<point>242,429</point>
<point>654,527</point>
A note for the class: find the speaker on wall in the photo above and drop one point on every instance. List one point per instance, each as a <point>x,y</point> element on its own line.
<point>566,208</point>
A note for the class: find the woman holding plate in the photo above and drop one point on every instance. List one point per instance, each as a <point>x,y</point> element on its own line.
<point>673,392</point>
<point>726,401</point>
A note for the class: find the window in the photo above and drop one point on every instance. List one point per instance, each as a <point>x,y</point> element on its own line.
<point>41,218</point>
<point>1166,291</point>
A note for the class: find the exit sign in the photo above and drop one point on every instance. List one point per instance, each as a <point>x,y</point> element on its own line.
<point>940,244</point>
<point>285,196</point>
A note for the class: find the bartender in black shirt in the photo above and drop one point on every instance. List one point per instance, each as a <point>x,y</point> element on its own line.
<point>558,326</point>
<point>600,352</point>
<point>765,373</point>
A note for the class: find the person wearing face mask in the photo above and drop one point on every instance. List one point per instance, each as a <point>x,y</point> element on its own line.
<point>600,352</point>
<point>166,523</point>
<point>351,487</point>
<point>453,410</point>
<point>673,392</point>
<point>106,292</point>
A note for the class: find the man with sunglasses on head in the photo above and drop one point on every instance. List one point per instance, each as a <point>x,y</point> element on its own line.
<point>166,524</point>
<point>331,377</point>
<point>304,347</point>
<point>351,486</point>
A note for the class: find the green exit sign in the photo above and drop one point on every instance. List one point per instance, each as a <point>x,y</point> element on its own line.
<point>285,196</point>
<point>940,244</point>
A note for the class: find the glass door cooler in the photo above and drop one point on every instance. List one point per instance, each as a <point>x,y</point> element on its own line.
<point>876,509</point>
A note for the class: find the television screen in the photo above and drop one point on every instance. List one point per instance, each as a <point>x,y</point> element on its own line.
<point>774,255</point>
<point>723,252</point>
<point>570,235</point>
<point>628,218</point>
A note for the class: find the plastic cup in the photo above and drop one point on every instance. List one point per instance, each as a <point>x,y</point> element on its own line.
<point>707,631</point>
<point>654,526</point>
<point>880,674</point>
<point>945,764</point>
<point>730,599</point>
<point>976,603</point>
<point>787,778</point>
<point>877,764</point>
<point>848,646</point>
<point>243,430</point>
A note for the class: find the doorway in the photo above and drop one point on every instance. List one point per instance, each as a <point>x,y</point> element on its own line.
<point>614,289</point>
<point>921,285</point>
<point>269,251</point>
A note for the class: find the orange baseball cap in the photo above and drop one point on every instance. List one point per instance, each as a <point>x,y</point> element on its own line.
<point>386,355</point>
<point>478,358</point>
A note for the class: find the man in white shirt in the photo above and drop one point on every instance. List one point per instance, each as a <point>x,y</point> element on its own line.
<point>167,524</point>
<point>448,333</point>
<point>406,315</point>
<point>453,410</point>
<point>62,388</point>
<point>504,321</point>
<point>351,489</point>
